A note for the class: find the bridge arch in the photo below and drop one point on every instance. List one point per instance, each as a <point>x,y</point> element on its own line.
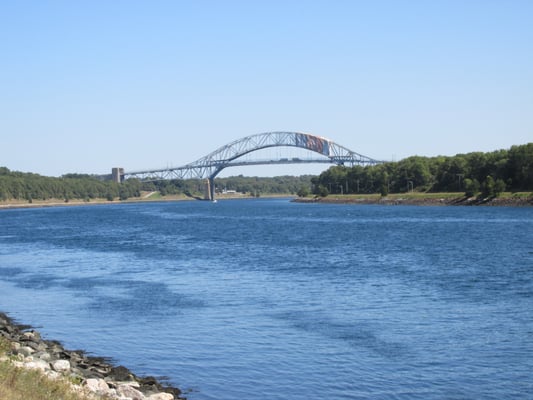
<point>209,166</point>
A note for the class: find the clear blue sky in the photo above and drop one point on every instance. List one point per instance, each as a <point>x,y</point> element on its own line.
<point>88,85</point>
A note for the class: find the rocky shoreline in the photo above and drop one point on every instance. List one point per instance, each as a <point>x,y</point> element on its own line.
<point>421,201</point>
<point>92,374</point>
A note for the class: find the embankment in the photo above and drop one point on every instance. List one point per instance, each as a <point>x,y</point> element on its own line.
<point>421,200</point>
<point>92,374</point>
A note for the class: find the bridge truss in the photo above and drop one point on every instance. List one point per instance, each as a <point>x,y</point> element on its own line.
<point>211,165</point>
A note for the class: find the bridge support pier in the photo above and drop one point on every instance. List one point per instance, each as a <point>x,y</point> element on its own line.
<point>209,193</point>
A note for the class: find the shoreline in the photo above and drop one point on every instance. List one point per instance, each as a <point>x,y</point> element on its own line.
<point>433,200</point>
<point>417,199</point>
<point>10,205</point>
<point>93,375</point>
<point>14,204</point>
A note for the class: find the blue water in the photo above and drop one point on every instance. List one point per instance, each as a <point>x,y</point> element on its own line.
<point>268,299</point>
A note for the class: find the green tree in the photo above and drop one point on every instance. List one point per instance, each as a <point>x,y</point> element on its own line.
<point>322,191</point>
<point>4,192</point>
<point>487,188</point>
<point>520,167</point>
<point>471,187</point>
<point>416,170</point>
<point>384,189</point>
<point>499,187</point>
<point>303,191</point>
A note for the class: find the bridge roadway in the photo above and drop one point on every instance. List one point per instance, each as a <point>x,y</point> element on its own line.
<point>211,165</point>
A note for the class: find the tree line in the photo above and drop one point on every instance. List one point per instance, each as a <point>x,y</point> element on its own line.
<point>484,174</point>
<point>29,186</point>
<point>255,186</point>
<point>477,173</point>
<point>261,185</point>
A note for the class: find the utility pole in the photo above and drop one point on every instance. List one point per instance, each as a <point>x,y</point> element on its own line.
<point>459,177</point>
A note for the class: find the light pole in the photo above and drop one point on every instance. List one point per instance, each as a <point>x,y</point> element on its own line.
<point>459,177</point>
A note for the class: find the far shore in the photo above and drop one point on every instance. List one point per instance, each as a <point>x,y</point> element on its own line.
<point>425,199</point>
<point>10,204</point>
<point>154,197</point>
<point>522,199</point>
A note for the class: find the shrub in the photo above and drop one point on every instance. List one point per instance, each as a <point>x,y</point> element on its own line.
<point>471,187</point>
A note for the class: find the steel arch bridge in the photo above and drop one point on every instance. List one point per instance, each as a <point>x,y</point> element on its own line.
<point>211,165</point>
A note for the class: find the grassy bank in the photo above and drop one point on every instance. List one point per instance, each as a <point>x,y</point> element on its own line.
<point>421,198</point>
<point>18,383</point>
<point>415,198</point>
<point>33,368</point>
<point>145,197</point>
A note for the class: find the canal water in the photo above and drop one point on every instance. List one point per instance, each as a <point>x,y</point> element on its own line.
<point>268,299</point>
